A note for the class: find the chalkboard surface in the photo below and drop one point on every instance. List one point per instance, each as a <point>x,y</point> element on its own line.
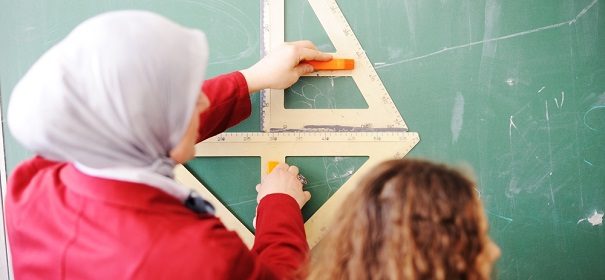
<point>514,89</point>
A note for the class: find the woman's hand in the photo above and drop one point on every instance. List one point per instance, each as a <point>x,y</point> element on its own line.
<point>281,68</point>
<point>283,179</point>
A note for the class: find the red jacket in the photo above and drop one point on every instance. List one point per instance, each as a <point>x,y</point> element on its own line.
<point>63,224</point>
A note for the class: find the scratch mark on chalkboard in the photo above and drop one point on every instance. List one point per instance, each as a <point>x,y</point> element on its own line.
<point>562,100</point>
<point>498,216</point>
<point>588,112</point>
<point>242,202</point>
<point>588,162</point>
<point>513,35</point>
<point>583,12</point>
<point>236,15</point>
<point>552,194</point>
<point>595,219</point>
<point>541,89</point>
<point>511,124</point>
<point>457,117</point>
<point>446,49</point>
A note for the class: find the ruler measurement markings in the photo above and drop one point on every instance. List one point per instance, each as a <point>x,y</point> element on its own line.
<point>377,145</point>
<point>234,137</point>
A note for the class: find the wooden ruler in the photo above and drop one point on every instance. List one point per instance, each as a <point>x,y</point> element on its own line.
<point>381,112</point>
<point>378,132</point>
<point>378,146</point>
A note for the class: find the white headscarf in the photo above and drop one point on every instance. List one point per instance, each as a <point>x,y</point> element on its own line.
<point>114,97</point>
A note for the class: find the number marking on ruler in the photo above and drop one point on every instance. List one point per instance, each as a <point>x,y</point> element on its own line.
<point>378,132</point>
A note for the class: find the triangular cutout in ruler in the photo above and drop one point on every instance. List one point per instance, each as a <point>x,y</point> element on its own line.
<point>325,175</point>
<point>378,132</point>
<point>324,93</point>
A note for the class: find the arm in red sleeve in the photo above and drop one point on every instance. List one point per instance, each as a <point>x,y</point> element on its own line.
<point>229,104</point>
<point>207,250</point>
<point>280,240</point>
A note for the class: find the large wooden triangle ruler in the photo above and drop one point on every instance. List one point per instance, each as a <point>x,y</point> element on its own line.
<point>378,132</point>
<point>381,114</point>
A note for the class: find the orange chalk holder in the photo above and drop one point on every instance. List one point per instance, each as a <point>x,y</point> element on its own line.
<point>271,165</point>
<point>334,64</point>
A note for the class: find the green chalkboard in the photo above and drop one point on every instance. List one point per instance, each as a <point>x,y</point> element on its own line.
<point>513,88</point>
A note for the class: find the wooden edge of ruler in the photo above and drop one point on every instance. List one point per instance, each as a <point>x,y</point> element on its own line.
<point>318,224</point>
<point>273,113</point>
<point>185,177</point>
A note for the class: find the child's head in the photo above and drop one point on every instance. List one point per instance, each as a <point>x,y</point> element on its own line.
<point>409,219</point>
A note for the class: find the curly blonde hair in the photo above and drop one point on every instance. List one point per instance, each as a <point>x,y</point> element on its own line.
<point>409,219</point>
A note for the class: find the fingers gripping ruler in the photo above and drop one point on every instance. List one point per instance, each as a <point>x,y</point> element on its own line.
<point>378,132</point>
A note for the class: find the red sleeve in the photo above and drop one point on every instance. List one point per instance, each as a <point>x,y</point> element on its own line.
<point>207,250</point>
<point>229,104</point>
<point>280,240</point>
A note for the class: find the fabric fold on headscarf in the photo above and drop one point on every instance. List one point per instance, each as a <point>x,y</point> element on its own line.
<point>114,97</point>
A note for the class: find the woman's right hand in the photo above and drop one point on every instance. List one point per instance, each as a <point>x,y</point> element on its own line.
<point>283,179</point>
<point>282,67</point>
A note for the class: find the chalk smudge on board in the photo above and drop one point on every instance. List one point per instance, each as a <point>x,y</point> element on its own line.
<point>337,172</point>
<point>457,117</point>
<point>596,219</point>
<point>243,27</point>
<point>511,82</point>
<point>513,188</point>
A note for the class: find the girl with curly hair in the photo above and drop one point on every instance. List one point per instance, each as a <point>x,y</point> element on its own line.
<point>409,219</point>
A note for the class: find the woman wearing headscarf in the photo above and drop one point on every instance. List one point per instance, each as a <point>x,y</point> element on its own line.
<point>109,111</point>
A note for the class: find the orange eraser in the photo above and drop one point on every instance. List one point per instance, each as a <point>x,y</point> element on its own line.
<point>271,165</point>
<point>334,64</point>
